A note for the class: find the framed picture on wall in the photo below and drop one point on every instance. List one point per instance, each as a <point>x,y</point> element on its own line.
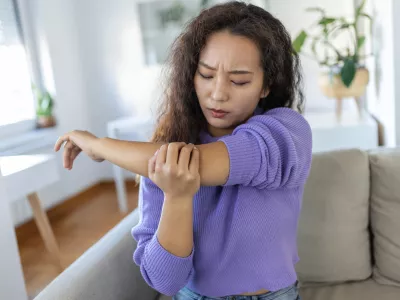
<point>161,22</point>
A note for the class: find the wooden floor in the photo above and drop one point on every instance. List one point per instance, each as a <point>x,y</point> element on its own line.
<point>77,223</point>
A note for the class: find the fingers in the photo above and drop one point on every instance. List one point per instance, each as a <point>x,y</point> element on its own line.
<point>173,153</point>
<point>61,140</point>
<point>195,161</point>
<point>152,164</point>
<point>74,153</point>
<point>161,157</point>
<point>67,154</point>
<point>70,136</point>
<point>71,151</point>
<point>184,157</point>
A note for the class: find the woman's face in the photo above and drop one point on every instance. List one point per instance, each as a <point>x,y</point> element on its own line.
<point>228,81</point>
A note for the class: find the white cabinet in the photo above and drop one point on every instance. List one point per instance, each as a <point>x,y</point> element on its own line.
<point>12,284</point>
<point>351,132</point>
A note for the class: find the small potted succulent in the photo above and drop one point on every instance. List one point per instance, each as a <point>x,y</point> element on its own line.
<point>344,73</point>
<point>44,108</point>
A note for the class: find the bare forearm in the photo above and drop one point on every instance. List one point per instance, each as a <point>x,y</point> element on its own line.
<point>214,164</point>
<point>134,156</point>
<point>175,230</point>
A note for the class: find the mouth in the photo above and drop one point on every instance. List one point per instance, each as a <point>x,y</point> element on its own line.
<point>217,113</point>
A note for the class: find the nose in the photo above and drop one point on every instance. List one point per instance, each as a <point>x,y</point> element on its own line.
<point>220,91</point>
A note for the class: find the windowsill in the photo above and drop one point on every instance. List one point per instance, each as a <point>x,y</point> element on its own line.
<point>29,141</point>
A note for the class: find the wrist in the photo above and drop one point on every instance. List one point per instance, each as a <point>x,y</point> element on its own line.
<point>97,147</point>
<point>180,199</point>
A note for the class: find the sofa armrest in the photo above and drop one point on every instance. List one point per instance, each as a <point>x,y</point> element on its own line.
<point>106,271</point>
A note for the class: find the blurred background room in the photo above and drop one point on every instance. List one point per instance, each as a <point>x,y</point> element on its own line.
<point>96,65</point>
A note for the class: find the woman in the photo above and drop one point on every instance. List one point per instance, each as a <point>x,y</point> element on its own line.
<point>219,219</point>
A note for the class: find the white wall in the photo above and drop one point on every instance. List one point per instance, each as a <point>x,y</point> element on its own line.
<point>109,40</point>
<point>384,66</point>
<point>117,82</point>
<point>396,40</point>
<point>112,58</point>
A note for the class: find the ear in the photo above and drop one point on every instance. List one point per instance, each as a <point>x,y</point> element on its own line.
<point>264,93</point>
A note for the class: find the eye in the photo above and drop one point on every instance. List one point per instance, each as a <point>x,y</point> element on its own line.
<point>240,83</point>
<point>204,76</point>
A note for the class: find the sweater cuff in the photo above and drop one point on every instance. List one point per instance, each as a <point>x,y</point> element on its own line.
<point>244,159</point>
<point>166,269</point>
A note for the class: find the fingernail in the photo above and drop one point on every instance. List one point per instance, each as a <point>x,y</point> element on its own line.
<point>155,154</point>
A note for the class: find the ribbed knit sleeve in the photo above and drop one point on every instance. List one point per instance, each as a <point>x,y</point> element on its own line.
<point>161,270</point>
<point>272,150</point>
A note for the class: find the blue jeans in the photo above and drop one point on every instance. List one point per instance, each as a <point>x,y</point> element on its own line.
<point>289,293</point>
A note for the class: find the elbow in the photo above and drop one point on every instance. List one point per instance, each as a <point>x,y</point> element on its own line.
<point>298,173</point>
<point>160,269</point>
<point>166,285</point>
<point>297,179</point>
<point>289,175</point>
<point>167,280</point>
<point>297,165</point>
<point>169,291</point>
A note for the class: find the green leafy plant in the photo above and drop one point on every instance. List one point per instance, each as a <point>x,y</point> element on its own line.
<point>45,102</point>
<point>339,61</point>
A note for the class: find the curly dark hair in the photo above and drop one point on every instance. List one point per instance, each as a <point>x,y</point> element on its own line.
<point>180,117</point>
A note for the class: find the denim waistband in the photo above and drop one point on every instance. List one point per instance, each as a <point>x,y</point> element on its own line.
<point>288,293</point>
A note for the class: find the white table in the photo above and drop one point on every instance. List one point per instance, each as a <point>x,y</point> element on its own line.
<point>22,176</point>
<point>351,131</point>
<point>134,129</point>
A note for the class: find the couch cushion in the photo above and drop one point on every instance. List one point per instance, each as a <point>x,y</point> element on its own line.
<point>385,214</point>
<point>364,290</point>
<point>333,237</point>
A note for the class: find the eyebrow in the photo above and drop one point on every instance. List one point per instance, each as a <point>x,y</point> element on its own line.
<point>230,72</point>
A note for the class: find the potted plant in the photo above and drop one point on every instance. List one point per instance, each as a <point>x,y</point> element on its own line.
<point>44,109</point>
<point>344,74</point>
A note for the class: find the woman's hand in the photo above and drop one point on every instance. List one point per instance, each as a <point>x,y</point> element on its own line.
<point>77,141</point>
<point>174,168</point>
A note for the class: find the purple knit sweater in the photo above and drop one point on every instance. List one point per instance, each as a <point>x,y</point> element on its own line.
<point>245,230</point>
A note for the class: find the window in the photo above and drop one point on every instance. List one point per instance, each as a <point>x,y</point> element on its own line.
<point>17,106</point>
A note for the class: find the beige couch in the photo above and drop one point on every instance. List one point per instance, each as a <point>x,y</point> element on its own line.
<point>349,238</point>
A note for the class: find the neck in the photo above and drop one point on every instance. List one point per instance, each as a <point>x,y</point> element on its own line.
<point>218,132</point>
